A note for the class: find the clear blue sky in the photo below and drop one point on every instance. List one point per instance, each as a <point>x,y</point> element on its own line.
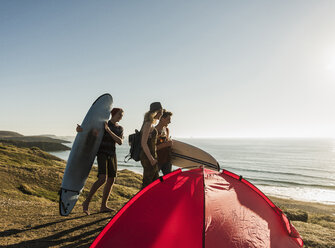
<point>224,68</point>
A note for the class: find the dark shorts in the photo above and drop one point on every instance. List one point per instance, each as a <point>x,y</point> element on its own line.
<point>150,173</point>
<point>107,165</point>
<point>166,168</point>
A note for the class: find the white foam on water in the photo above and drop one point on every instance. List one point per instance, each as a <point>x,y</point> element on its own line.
<point>307,194</point>
<point>287,168</point>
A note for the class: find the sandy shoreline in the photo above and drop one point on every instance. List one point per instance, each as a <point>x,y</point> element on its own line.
<point>312,207</point>
<point>30,213</point>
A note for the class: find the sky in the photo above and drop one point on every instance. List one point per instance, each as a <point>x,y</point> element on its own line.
<point>224,68</point>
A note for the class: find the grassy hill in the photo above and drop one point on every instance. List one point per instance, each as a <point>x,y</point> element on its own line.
<point>46,143</point>
<point>31,178</point>
<point>4,134</point>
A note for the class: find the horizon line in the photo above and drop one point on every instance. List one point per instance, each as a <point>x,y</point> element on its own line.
<point>204,137</point>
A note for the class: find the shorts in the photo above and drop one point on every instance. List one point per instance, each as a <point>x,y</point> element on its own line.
<point>107,165</point>
<point>150,173</point>
<point>166,168</point>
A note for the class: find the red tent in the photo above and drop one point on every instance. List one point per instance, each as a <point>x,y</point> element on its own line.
<point>199,208</point>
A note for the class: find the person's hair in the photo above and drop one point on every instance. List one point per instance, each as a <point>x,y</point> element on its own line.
<point>149,117</point>
<point>166,113</point>
<point>116,110</point>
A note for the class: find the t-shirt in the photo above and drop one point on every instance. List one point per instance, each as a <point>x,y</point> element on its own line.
<point>164,154</point>
<point>107,145</point>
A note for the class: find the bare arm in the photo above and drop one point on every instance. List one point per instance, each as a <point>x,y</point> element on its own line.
<point>167,143</point>
<point>144,144</point>
<point>168,133</point>
<point>116,138</point>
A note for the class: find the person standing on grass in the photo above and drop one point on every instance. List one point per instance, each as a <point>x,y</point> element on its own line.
<point>148,155</point>
<point>107,161</point>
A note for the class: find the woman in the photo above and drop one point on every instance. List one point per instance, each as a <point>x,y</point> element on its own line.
<point>148,155</point>
<point>164,143</point>
<point>106,157</point>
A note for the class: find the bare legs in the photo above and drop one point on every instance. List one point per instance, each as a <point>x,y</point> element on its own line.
<point>107,189</point>
<point>105,195</point>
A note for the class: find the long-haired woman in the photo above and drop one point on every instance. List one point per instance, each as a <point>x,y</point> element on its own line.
<point>148,154</point>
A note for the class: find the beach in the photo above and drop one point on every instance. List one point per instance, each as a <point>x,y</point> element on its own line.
<point>301,169</point>
<point>30,214</point>
<point>249,84</point>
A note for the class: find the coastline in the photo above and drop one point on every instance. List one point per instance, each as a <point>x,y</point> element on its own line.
<point>310,207</point>
<point>36,221</point>
<point>30,214</point>
<point>49,143</point>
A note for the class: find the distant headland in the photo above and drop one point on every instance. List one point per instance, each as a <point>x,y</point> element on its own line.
<point>47,143</point>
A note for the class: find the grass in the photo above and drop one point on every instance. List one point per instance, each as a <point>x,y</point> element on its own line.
<point>9,134</point>
<point>43,142</point>
<point>31,178</point>
<point>314,221</point>
<point>44,145</point>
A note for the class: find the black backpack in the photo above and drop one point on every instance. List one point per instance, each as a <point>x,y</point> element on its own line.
<point>134,141</point>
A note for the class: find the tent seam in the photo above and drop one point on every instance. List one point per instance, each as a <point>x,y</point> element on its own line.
<point>204,211</point>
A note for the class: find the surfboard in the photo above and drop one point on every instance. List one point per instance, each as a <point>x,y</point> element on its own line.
<point>187,156</point>
<point>83,152</point>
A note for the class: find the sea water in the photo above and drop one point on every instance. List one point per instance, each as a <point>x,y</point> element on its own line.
<point>300,169</point>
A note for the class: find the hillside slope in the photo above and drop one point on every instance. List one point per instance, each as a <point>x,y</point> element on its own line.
<point>4,134</point>
<point>31,178</point>
<point>46,143</point>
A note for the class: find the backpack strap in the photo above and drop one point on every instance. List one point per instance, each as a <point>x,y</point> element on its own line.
<point>127,158</point>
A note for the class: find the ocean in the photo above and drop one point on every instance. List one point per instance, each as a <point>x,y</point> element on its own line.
<point>299,169</point>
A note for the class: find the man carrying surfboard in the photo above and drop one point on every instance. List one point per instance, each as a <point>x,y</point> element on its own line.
<point>106,157</point>
<point>164,143</point>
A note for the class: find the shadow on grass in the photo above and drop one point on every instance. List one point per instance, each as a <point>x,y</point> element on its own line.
<point>82,240</point>
<point>10,232</point>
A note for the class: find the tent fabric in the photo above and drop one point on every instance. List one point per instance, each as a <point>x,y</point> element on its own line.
<point>199,208</point>
<point>240,215</point>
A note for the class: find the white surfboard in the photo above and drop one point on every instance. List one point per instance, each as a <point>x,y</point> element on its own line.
<point>187,156</point>
<point>83,152</point>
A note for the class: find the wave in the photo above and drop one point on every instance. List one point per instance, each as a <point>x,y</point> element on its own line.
<point>325,196</point>
<point>272,172</point>
<point>269,182</point>
<point>234,165</point>
<point>127,165</point>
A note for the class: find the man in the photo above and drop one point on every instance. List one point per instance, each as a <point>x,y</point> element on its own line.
<point>164,143</point>
<point>107,161</point>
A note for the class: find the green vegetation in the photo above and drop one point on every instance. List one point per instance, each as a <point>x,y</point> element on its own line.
<point>9,134</point>
<point>315,222</point>
<point>31,178</point>
<point>45,143</point>
<point>45,146</point>
<point>30,181</point>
